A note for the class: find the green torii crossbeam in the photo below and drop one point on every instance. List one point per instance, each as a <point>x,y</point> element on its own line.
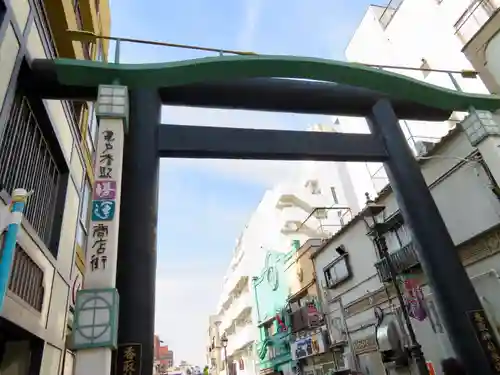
<point>224,68</point>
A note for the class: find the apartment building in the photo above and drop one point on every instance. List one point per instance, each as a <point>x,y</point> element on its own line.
<point>288,213</point>
<point>308,340</point>
<point>363,315</point>
<point>214,347</point>
<point>46,147</point>
<point>421,34</point>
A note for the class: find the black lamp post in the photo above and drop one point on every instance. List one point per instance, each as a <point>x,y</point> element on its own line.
<point>370,213</point>
<point>223,341</point>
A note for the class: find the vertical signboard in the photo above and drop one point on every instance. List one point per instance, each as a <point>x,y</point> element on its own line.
<point>487,338</point>
<point>128,359</point>
<point>102,245</point>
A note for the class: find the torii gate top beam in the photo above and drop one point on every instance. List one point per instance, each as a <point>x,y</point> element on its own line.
<point>213,81</point>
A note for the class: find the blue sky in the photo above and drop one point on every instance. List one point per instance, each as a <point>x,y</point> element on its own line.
<point>204,205</point>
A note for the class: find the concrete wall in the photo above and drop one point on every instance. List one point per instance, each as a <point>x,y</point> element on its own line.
<point>22,39</point>
<point>469,208</point>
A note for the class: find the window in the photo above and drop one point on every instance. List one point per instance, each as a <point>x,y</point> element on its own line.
<point>425,68</point>
<point>334,195</point>
<point>337,271</point>
<point>100,54</point>
<point>91,135</point>
<point>270,329</point>
<point>83,220</point>
<point>397,238</point>
<point>86,46</point>
<point>76,112</point>
<point>27,160</point>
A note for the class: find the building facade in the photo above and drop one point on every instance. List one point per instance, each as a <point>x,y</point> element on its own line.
<point>317,203</point>
<point>428,34</point>
<point>46,147</point>
<point>362,312</point>
<point>163,357</point>
<point>309,344</point>
<point>271,294</point>
<point>214,347</point>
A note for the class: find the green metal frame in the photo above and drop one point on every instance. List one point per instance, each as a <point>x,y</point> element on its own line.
<point>93,73</point>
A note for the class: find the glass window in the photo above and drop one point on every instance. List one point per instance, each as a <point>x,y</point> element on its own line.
<point>81,237</point>
<point>100,54</point>
<point>334,195</point>
<point>91,128</point>
<point>337,272</point>
<point>85,203</point>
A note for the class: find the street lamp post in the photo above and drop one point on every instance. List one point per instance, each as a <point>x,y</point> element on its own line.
<point>370,218</point>
<point>224,341</point>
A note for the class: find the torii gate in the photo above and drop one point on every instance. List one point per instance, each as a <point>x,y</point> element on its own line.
<point>263,83</point>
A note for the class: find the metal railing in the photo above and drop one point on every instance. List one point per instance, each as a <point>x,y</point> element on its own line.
<point>389,12</point>
<point>402,259</point>
<point>26,279</point>
<point>474,17</point>
<point>26,161</point>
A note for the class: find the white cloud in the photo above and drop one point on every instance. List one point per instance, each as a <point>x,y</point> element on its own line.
<point>251,20</point>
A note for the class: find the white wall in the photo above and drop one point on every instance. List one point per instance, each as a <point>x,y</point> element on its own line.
<point>468,208</point>
<point>50,324</point>
<point>420,29</point>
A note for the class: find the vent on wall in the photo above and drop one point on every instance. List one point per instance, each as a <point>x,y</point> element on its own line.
<point>26,279</point>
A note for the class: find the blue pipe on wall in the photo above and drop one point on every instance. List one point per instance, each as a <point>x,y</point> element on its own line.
<point>13,220</point>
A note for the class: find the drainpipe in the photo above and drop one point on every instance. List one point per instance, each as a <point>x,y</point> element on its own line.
<point>11,220</point>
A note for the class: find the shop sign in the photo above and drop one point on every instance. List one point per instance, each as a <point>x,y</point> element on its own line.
<point>414,297</point>
<point>313,344</point>
<point>367,344</point>
<point>103,231</point>
<point>430,368</point>
<point>128,359</point>
<point>486,337</point>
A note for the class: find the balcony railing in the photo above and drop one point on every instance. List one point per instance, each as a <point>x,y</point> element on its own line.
<point>474,17</point>
<point>402,259</point>
<point>306,318</point>
<point>389,12</point>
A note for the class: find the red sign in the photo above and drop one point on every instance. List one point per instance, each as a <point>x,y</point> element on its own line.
<point>430,367</point>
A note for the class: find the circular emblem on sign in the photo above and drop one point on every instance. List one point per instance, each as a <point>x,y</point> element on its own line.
<point>300,274</point>
<point>272,277</point>
<point>95,331</point>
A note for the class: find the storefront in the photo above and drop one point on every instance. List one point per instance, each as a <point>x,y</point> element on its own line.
<point>311,353</point>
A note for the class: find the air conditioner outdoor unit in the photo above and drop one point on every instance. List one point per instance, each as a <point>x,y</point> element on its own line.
<point>423,147</point>
<point>321,213</point>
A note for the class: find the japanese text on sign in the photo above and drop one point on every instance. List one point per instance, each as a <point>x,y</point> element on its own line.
<point>105,189</point>
<point>128,361</point>
<point>99,242</point>
<point>487,338</point>
<point>106,156</point>
<point>103,210</point>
